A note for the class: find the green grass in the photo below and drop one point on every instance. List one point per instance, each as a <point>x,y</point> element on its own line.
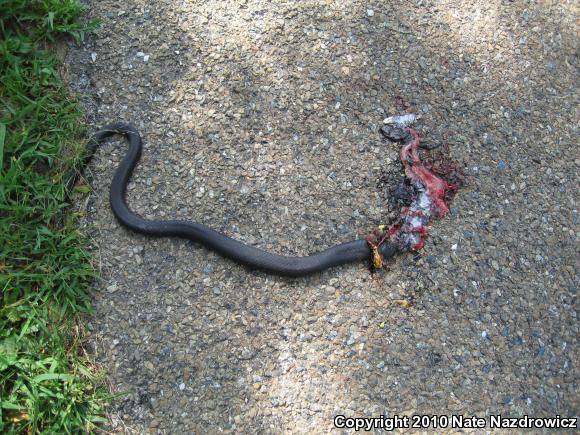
<point>47,384</point>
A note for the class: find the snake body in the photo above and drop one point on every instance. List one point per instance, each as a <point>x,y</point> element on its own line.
<point>357,250</point>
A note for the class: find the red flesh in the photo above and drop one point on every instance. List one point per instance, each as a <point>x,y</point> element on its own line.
<point>410,230</point>
<point>436,188</point>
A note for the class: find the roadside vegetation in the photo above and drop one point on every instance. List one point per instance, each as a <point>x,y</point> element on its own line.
<point>47,382</point>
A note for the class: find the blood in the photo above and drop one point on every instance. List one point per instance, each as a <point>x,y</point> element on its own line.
<point>434,185</point>
<point>401,103</point>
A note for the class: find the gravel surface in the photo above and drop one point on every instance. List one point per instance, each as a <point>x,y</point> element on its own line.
<point>261,119</point>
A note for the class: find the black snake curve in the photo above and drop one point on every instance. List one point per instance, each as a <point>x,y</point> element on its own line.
<point>239,252</point>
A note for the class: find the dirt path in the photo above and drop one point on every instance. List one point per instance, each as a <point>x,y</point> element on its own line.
<point>261,119</point>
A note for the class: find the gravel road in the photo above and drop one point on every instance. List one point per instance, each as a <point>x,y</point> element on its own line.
<point>261,119</point>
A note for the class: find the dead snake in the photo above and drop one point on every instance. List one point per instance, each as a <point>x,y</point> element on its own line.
<point>239,252</point>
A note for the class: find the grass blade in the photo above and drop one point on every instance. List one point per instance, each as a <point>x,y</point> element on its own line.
<point>2,138</point>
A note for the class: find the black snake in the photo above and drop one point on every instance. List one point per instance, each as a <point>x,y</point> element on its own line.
<point>356,250</point>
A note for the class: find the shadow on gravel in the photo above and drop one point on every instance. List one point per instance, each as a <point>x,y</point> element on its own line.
<point>300,92</point>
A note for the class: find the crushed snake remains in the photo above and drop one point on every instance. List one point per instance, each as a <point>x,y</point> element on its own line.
<point>431,194</point>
